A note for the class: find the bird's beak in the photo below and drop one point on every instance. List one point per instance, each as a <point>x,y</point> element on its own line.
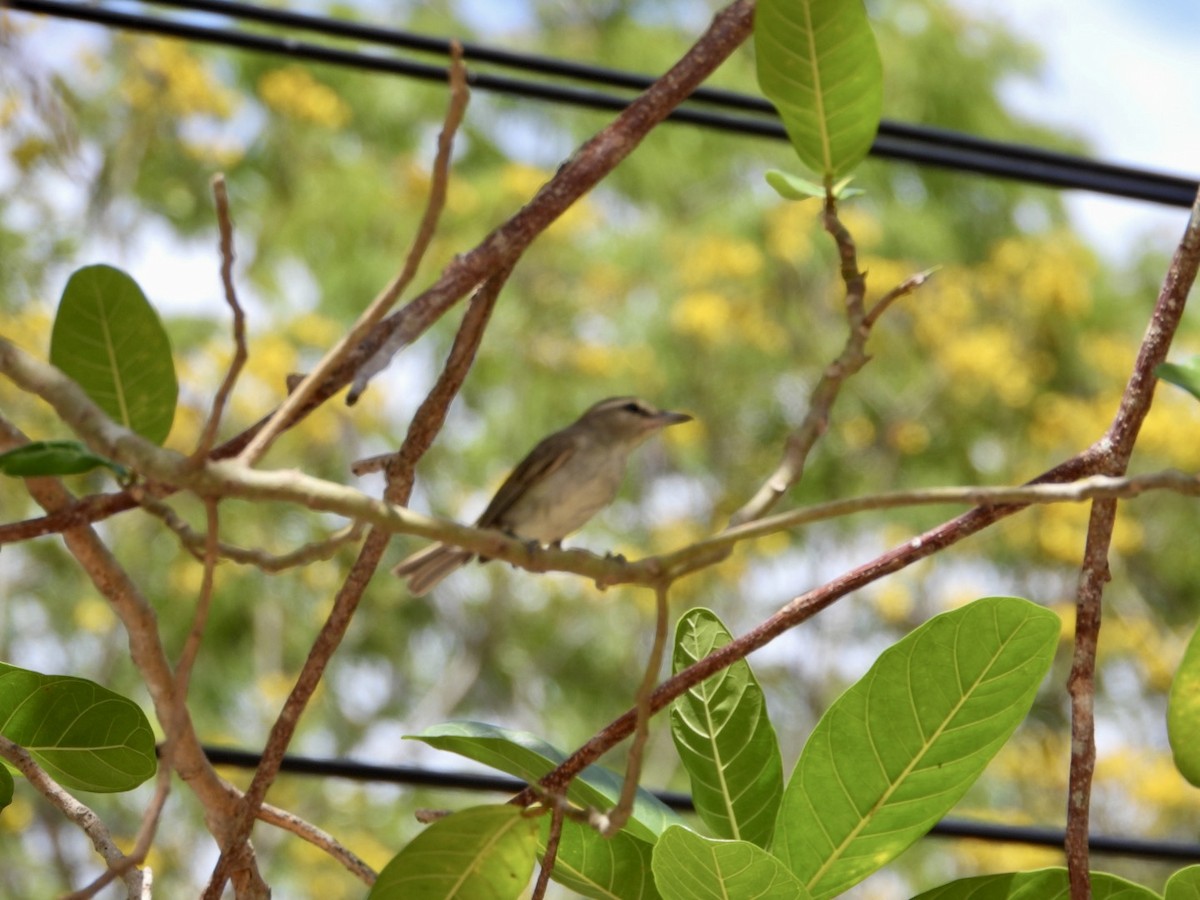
<point>666,417</point>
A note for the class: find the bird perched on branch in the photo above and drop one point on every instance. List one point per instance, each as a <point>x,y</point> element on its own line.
<point>564,481</point>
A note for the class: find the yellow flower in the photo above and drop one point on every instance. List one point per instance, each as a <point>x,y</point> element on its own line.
<point>704,315</point>
<point>293,92</point>
<point>171,76</point>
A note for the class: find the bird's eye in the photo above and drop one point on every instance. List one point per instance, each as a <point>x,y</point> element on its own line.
<point>634,408</point>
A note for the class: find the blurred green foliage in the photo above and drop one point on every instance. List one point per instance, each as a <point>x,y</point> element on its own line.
<point>682,278</point>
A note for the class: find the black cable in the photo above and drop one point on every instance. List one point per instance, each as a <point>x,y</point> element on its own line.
<point>897,141</point>
<point>470,781</point>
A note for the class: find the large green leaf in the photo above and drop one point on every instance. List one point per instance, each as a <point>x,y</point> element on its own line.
<point>85,736</point>
<point>1043,884</point>
<point>53,458</point>
<point>615,868</point>
<point>481,853</point>
<point>900,747</point>
<point>1183,885</point>
<point>690,867</point>
<point>818,63</point>
<point>109,339</point>
<point>529,758</point>
<point>1183,712</point>
<point>725,739</point>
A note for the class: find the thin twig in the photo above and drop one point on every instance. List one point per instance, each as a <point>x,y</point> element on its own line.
<point>379,307</point>
<point>619,815</point>
<point>225,224</point>
<point>191,644</point>
<point>195,542</point>
<point>77,812</point>
<point>557,811</point>
<point>143,841</point>
<point>431,414</point>
<point>851,359</point>
<point>306,831</point>
<point>400,479</point>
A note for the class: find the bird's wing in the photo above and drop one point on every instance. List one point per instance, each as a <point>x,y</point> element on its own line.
<point>549,455</point>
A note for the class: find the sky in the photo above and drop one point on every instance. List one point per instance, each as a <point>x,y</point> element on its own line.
<point>1118,72</point>
<point>1122,74</point>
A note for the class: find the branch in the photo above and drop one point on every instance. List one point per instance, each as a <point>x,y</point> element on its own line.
<point>225,224</point>
<point>195,542</point>
<point>1114,451</point>
<point>306,831</point>
<point>378,308</point>
<point>77,812</point>
<point>421,433</point>
<point>852,358</point>
<point>615,820</point>
<point>140,623</point>
<point>145,837</point>
<point>228,479</point>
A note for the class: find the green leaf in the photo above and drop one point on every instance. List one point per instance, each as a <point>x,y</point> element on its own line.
<point>1183,712</point>
<point>690,867</point>
<point>481,853</point>
<point>54,458</point>
<point>529,758</point>
<point>109,339</point>
<point>1043,884</point>
<point>6,787</point>
<point>1183,885</point>
<point>793,187</point>
<point>818,63</point>
<point>1186,377</point>
<point>900,747</point>
<point>85,736</point>
<point>725,739</point>
<point>613,868</point>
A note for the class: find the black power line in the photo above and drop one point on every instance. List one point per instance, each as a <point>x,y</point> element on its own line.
<point>898,141</point>
<point>504,784</point>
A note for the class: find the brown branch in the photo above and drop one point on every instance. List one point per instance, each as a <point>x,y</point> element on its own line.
<point>586,167</point>
<point>548,858</point>
<point>619,815</point>
<point>145,644</point>
<point>225,224</point>
<point>1115,450</point>
<point>852,358</point>
<point>145,837</point>
<point>420,436</point>
<point>379,307</point>
<point>306,831</point>
<point>82,815</point>
<point>793,613</point>
<point>195,542</point>
<point>191,644</point>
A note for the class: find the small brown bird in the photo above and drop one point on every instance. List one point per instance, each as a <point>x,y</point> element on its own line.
<point>564,481</point>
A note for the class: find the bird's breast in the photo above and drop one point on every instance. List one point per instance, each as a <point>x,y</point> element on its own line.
<point>567,498</point>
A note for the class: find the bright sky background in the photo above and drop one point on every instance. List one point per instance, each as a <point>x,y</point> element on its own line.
<point>1121,73</point>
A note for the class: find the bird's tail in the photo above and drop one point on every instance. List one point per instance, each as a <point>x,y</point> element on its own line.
<point>427,567</point>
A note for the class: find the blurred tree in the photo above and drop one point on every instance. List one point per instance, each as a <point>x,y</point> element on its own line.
<point>683,279</point>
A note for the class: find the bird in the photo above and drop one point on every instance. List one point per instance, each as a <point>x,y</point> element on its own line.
<point>565,480</point>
